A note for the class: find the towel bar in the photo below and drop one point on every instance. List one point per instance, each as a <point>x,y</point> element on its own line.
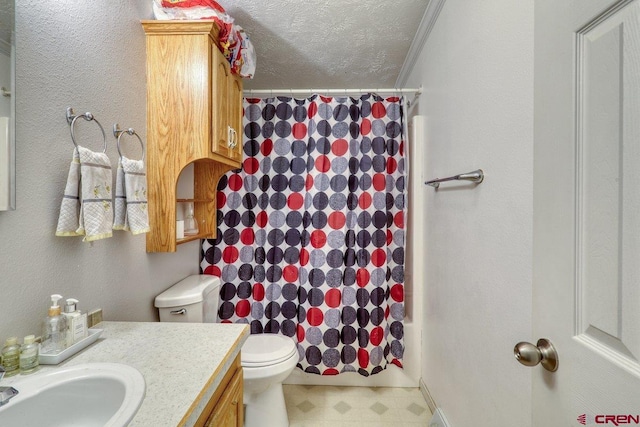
<point>475,176</point>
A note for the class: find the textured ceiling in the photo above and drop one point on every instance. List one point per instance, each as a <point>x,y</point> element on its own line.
<point>339,44</point>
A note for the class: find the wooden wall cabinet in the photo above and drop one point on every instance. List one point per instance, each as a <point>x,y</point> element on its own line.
<point>194,115</point>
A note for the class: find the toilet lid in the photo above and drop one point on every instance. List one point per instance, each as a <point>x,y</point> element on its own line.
<point>266,349</point>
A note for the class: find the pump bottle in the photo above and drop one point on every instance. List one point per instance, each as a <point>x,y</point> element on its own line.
<point>54,335</point>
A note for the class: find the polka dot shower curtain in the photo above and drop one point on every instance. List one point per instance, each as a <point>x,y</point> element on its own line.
<point>311,234</point>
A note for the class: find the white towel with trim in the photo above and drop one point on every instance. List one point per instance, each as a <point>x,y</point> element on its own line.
<point>86,207</point>
<point>131,208</point>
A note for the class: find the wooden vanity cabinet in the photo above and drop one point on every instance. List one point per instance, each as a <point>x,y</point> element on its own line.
<point>194,115</point>
<point>225,408</point>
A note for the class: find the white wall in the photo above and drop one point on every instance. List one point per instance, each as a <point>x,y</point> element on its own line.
<point>91,56</point>
<point>476,69</point>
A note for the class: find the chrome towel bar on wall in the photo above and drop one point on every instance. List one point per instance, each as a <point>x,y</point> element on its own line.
<point>475,176</point>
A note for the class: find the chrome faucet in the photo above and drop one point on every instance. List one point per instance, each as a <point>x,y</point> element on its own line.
<point>6,393</point>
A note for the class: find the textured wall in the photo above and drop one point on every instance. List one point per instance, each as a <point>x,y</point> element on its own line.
<point>477,72</point>
<point>90,56</point>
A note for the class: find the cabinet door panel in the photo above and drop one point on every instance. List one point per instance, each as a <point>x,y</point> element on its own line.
<point>229,411</point>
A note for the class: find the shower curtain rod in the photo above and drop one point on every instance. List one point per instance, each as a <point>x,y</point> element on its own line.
<point>250,92</point>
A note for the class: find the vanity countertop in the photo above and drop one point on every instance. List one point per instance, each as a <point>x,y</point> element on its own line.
<point>182,364</point>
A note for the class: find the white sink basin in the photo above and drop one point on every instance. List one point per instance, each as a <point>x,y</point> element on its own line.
<point>86,395</point>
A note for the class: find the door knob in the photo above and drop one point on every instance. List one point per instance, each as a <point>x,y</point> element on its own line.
<point>543,353</point>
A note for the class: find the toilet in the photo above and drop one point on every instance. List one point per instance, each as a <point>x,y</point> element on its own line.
<point>267,359</point>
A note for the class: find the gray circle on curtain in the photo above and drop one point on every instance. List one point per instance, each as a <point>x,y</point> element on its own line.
<point>335,239</point>
<point>378,127</point>
<point>397,311</point>
<point>314,336</point>
<point>246,254</point>
<point>229,273</point>
<point>332,318</point>
<point>317,258</point>
<point>253,112</point>
<point>393,111</point>
<point>339,165</point>
<point>260,237</point>
<point>257,310</point>
<point>378,277</point>
<point>376,355</point>
<point>338,201</point>
<point>380,201</point>
<point>282,146</point>
<point>234,200</point>
<point>322,182</point>
<point>277,219</point>
<point>273,292</point>
<point>325,111</point>
<point>250,183</point>
<point>348,296</point>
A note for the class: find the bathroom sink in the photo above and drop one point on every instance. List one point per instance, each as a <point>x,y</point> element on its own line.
<point>90,394</point>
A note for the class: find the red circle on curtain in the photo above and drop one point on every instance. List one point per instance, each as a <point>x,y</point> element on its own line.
<point>362,277</point>
<point>397,293</point>
<point>304,257</point>
<point>376,336</point>
<point>333,298</point>
<point>300,333</point>
<point>213,270</point>
<point>243,308</point>
<point>261,219</point>
<point>295,201</point>
<point>402,148</point>
<point>235,182</point>
<point>318,239</point>
<point>389,237</point>
<point>313,109</point>
<point>379,257</point>
<point>258,292</point>
<point>326,99</point>
<point>398,220</point>
<point>290,273</point>
<point>364,201</point>
<point>266,147</point>
<point>339,147</point>
<point>397,363</point>
<point>251,165</point>
<point>323,164</point>
<point>221,199</point>
<point>379,182</point>
<point>230,254</point>
<point>392,165</point>
<point>247,236</point>
<point>365,127</point>
<point>330,371</point>
<point>308,183</point>
<point>378,111</point>
<point>315,316</point>
<point>363,358</point>
<point>299,130</point>
<point>336,220</point>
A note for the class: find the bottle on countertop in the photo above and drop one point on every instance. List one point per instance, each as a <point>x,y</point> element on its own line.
<point>29,355</point>
<point>11,356</point>
<point>54,334</point>
<point>76,322</point>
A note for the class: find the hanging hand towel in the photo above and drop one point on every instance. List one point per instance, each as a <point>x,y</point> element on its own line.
<point>131,197</point>
<point>68,220</point>
<point>93,193</point>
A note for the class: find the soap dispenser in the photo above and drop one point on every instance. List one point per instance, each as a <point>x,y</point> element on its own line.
<point>54,336</point>
<point>76,322</point>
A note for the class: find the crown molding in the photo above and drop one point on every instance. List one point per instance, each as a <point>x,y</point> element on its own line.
<point>422,34</point>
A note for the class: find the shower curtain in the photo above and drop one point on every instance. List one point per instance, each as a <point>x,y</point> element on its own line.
<point>311,230</point>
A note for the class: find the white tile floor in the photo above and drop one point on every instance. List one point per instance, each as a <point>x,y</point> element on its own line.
<point>325,406</point>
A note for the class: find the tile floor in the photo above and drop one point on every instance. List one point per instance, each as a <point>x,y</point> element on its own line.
<point>326,406</point>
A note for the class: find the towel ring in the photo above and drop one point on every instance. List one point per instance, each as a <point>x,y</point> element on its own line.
<point>71,119</point>
<point>117,132</point>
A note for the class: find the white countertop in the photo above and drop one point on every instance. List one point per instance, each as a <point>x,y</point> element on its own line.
<point>182,364</point>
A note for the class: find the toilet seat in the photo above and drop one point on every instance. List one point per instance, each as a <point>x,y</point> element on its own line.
<point>266,349</point>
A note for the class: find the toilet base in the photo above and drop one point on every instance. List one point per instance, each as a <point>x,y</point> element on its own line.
<point>266,409</point>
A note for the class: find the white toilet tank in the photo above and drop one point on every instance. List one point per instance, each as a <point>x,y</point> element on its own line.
<point>194,299</point>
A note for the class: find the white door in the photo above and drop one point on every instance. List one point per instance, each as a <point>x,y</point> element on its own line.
<point>586,294</point>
